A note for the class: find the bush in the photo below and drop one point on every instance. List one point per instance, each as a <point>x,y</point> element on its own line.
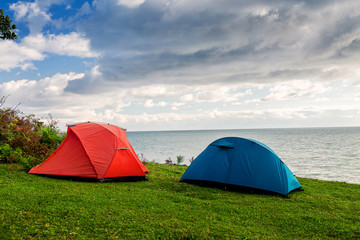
<point>51,137</point>
<point>179,159</point>
<point>5,153</point>
<point>24,139</point>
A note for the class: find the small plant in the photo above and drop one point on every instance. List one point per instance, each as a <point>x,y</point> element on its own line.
<point>191,159</point>
<point>179,159</point>
<point>143,159</point>
<point>168,161</point>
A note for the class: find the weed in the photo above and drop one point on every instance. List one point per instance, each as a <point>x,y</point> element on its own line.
<point>168,161</point>
<point>143,159</point>
<point>179,159</point>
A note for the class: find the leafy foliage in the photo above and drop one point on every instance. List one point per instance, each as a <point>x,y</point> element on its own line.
<point>24,139</point>
<point>6,28</point>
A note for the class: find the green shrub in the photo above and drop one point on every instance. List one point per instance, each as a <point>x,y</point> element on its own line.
<point>24,139</point>
<point>51,137</point>
<point>5,153</point>
<point>29,161</point>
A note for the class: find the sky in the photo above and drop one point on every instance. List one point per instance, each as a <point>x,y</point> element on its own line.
<point>152,65</point>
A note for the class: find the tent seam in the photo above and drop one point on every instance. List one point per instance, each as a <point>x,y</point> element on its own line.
<point>82,144</point>
<point>116,140</point>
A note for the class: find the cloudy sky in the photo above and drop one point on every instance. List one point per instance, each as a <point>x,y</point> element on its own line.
<point>181,64</point>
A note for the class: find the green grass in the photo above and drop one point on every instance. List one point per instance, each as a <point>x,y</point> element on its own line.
<point>34,207</point>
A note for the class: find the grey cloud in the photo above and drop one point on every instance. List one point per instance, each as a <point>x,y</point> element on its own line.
<point>149,29</point>
<point>138,70</point>
<point>336,32</point>
<point>293,73</point>
<point>143,65</point>
<point>351,49</point>
<point>82,86</point>
<point>257,41</point>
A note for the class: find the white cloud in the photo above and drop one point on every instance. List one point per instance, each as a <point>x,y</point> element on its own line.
<point>71,44</point>
<point>28,10</point>
<point>15,55</point>
<point>153,91</point>
<point>45,89</point>
<point>150,103</point>
<point>357,83</point>
<point>118,106</point>
<point>34,48</point>
<point>130,3</point>
<point>180,63</point>
<point>213,93</point>
<point>295,89</point>
<point>32,13</point>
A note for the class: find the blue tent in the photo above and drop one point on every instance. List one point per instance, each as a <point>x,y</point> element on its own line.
<point>242,162</point>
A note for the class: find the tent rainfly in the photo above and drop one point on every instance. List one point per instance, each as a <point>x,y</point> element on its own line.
<point>93,150</point>
<point>241,162</point>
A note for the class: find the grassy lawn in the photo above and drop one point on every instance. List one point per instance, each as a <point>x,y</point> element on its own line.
<point>34,207</point>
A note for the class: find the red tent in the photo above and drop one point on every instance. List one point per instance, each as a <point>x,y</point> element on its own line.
<point>93,150</point>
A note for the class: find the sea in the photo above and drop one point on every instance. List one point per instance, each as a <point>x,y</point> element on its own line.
<point>331,154</point>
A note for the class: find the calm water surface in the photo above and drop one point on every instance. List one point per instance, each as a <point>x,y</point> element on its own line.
<point>320,153</point>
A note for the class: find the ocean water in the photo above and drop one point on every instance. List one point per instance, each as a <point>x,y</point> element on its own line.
<point>320,153</point>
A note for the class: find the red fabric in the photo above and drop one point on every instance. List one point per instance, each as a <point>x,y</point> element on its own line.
<point>123,143</point>
<point>95,151</point>
<point>124,165</point>
<point>70,159</point>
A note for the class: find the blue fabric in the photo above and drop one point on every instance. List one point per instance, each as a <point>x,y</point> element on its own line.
<point>243,162</point>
